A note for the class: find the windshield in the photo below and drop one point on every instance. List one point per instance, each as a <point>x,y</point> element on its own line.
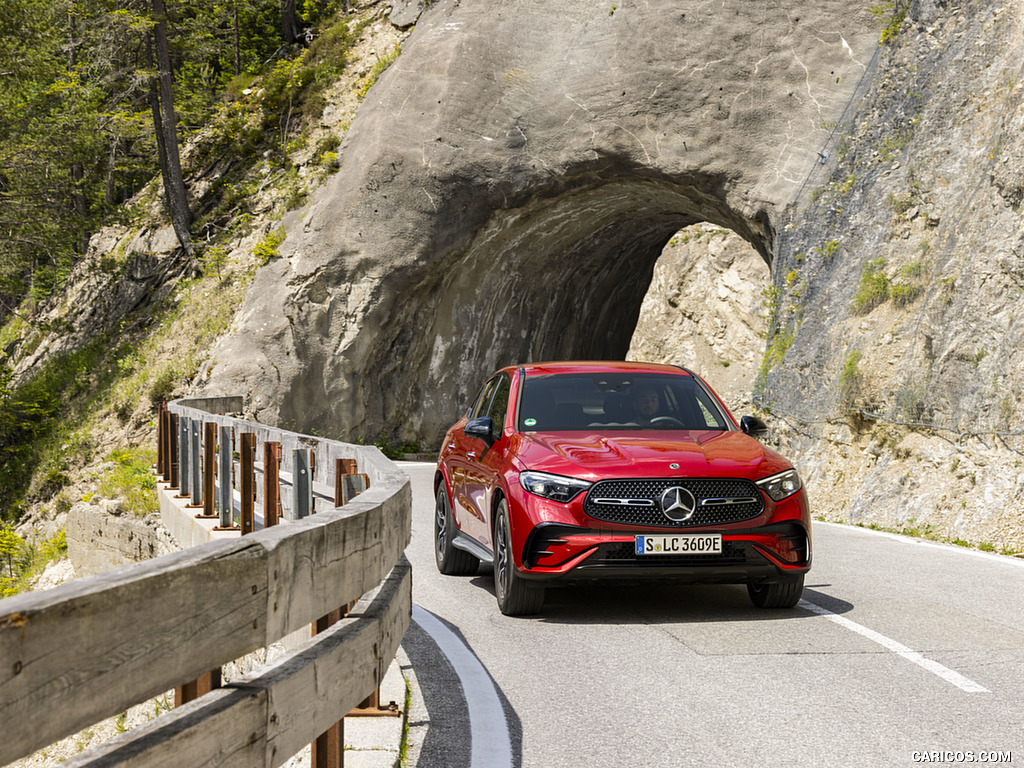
<point>566,402</point>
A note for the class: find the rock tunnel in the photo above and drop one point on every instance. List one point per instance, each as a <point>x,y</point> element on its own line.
<point>509,184</point>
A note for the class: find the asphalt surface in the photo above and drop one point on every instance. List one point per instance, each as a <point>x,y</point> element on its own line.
<point>904,652</point>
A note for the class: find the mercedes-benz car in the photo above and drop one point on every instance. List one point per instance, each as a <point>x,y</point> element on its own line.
<point>579,471</point>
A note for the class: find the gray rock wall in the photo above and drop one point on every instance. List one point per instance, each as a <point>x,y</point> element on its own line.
<point>509,184</point>
<point>907,413</point>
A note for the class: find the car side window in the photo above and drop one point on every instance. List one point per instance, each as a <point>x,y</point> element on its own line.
<point>483,400</point>
<point>499,404</point>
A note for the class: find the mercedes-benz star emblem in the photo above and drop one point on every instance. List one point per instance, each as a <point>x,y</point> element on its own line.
<point>678,504</point>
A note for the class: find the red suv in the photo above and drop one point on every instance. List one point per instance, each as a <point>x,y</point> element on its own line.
<point>563,472</point>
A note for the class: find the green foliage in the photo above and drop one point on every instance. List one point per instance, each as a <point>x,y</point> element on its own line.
<point>132,479</point>
<point>161,389</point>
<point>11,545</point>
<point>905,293</point>
<point>76,134</point>
<point>38,419</point>
<point>24,560</point>
<point>213,260</point>
<point>266,248</point>
<point>829,249</point>
<point>395,451</point>
<point>910,286</point>
<point>890,15</point>
<point>850,378</point>
<point>772,303</point>
<point>776,351</point>
<point>873,288</point>
<point>382,63</point>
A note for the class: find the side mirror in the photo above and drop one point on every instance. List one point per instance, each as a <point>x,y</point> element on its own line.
<point>754,427</point>
<point>481,428</point>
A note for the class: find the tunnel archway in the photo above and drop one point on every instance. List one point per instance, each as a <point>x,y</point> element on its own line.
<point>560,277</point>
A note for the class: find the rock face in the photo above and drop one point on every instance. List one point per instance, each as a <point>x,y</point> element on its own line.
<point>509,184</point>
<point>704,310</point>
<point>898,338</point>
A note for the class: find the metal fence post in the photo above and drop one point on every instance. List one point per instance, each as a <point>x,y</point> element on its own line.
<point>183,454</point>
<point>194,464</point>
<point>171,449</point>
<point>247,481</point>
<point>302,484</point>
<point>209,466</point>
<point>225,500</point>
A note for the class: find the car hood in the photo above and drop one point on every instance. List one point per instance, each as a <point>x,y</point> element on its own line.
<point>643,454</point>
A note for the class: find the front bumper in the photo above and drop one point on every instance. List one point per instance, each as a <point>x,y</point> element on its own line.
<point>556,552</point>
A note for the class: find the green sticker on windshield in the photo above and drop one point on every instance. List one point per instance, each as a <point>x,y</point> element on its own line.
<point>530,422</point>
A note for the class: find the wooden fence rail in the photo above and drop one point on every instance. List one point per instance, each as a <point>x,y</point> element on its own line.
<point>89,649</point>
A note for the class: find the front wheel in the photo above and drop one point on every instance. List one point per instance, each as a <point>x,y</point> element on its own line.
<point>450,560</point>
<point>516,596</point>
<point>781,594</point>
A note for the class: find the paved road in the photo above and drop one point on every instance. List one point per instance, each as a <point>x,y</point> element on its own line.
<point>900,647</point>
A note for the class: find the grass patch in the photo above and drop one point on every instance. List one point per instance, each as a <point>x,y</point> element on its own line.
<point>850,378</point>
<point>873,288</point>
<point>385,61</point>
<point>132,479</point>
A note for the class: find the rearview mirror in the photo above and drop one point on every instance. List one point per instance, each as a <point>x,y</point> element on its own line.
<point>481,428</point>
<point>754,427</point>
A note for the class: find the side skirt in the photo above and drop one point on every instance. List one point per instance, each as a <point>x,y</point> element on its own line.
<point>474,547</point>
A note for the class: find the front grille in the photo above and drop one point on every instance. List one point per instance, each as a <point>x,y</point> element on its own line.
<point>625,554</point>
<point>638,501</point>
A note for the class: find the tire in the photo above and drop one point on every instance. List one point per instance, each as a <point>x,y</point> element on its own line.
<point>450,561</point>
<point>516,596</point>
<point>781,594</point>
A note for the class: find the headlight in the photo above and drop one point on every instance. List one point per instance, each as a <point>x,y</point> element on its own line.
<point>781,485</point>
<point>554,487</point>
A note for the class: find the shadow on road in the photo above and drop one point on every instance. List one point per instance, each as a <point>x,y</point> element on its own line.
<point>660,602</point>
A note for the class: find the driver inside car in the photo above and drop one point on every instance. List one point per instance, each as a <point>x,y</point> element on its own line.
<point>646,404</point>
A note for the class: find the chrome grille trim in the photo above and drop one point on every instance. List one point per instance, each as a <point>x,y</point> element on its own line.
<point>635,501</point>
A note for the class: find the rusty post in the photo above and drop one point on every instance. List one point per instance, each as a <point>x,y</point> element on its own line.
<point>247,481</point>
<point>161,437</point>
<point>209,464</point>
<point>171,449</point>
<point>343,467</point>
<point>271,483</point>
<point>201,686</point>
<point>328,749</point>
<point>166,419</point>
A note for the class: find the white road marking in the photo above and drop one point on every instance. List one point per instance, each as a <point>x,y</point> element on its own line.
<point>490,744</point>
<point>934,667</point>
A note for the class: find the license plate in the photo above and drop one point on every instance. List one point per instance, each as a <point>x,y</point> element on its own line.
<point>681,544</point>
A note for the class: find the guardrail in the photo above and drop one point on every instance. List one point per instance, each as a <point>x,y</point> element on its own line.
<point>87,650</point>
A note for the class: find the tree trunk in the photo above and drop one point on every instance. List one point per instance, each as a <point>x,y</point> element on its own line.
<point>238,46</point>
<point>166,123</point>
<point>111,189</point>
<point>289,22</point>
